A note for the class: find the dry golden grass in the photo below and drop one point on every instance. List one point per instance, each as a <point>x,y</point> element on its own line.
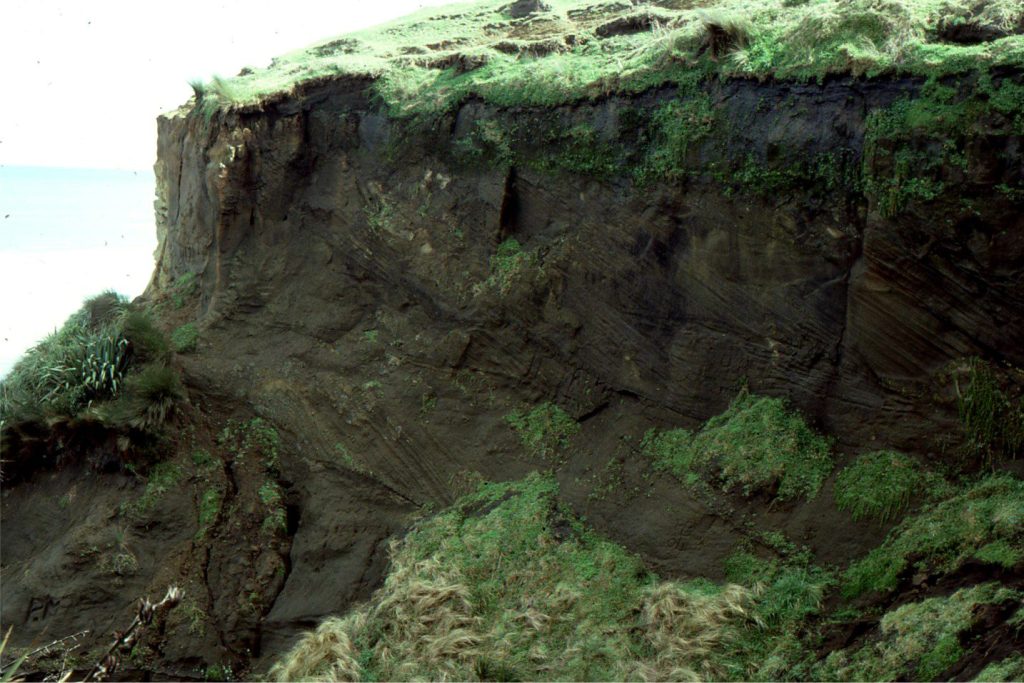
<point>430,622</point>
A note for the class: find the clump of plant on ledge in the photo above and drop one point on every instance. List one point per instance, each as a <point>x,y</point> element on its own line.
<point>108,362</point>
<point>757,445</point>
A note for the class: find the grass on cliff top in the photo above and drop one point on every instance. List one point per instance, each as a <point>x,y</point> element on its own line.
<point>429,61</point>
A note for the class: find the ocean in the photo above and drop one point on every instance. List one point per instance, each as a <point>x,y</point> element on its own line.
<point>65,235</point>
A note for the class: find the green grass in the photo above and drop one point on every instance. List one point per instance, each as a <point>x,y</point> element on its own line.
<point>275,520</point>
<point>992,423</point>
<point>209,510</point>
<point>507,584</point>
<point>1009,669</point>
<point>148,342</point>
<point>790,591</point>
<point>85,360</point>
<point>183,289</point>
<point>255,438</point>
<point>986,519</point>
<point>163,477</point>
<point>918,637</point>
<point>425,63</point>
<point>757,445</point>
<point>185,338</point>
<point>881,484</point>
<point>544,430</point>
<point>508,264</point>
<point>150,397</point>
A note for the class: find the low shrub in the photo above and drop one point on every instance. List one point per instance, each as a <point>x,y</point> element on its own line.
<point>148,342</point>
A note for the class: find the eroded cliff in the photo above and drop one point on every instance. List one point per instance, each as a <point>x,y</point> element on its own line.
<point>386,290</point>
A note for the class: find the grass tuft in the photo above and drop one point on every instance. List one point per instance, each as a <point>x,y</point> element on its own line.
<point>987,518</point>
<point>758,444</point>
<point>882,484</point>
<point>544,430</point>
<point>185,338</point>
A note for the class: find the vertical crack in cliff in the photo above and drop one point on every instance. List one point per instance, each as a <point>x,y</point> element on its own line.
<point>838,354</point>
<point>508,216</point>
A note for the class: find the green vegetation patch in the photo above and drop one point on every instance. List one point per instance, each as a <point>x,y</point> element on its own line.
<point>107,363</point>
<point>508,585</point>
<point>185,338</point>
<point>253,438</point>
<point>987,518</point>
<point>919,637</point>
<point>84,361</point>
<point>163,477</point>
<point>183,289</point>
<point>508,264</point>
<point>150,397</point>
<point>992,423</point>
<point>424,64</point>
<point>1009,669</point>
<point>791,589</point>
<point>209,510</point>
<point>275,520</point>
<point>758,444</point>
<point>882,484</point>
<point>544,430</point>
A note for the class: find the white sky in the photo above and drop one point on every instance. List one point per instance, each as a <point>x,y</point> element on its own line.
<point>83,82</point>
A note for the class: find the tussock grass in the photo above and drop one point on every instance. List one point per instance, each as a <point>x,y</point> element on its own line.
<point>757,445</point>
<point>83,361</point>
<point>428,61</point>
<point>882,484</point>
<point>507,585</point>
<point>986,518</point>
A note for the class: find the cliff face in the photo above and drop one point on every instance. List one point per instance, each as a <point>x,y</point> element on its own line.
<point>386,291</point>
<point>762,259</point>
<point>392,289</point>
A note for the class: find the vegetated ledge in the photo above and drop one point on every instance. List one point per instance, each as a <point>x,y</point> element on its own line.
<point>531,53</point>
